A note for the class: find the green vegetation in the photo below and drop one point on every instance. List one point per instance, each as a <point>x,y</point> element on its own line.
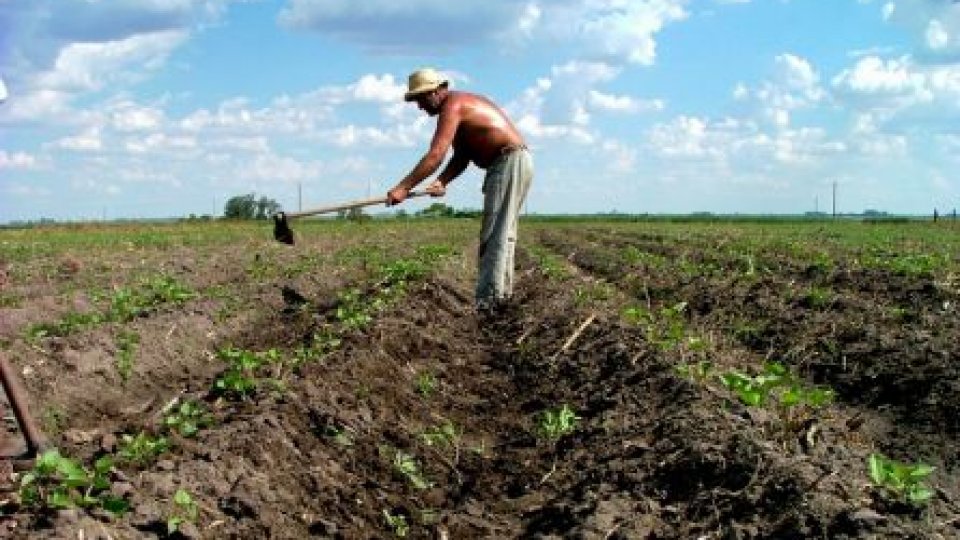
<point>187,418</point>
<point>555,423</point>
<point>58,482</point>
<point>426,383</point>
<point>126,349</point>
<point>902,481</point>
<point>397,524</point>
<point>141,449</point>
<point>185,510</point>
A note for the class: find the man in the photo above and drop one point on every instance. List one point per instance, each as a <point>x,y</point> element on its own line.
<point>479,132</point>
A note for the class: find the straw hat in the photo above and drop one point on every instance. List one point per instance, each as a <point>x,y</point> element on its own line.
<point>423,81</point>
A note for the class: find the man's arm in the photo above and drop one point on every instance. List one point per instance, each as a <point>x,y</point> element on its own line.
<point>442,139</point>
<point>455,167</point>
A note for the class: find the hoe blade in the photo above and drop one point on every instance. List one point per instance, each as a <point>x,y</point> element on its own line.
<point>281,229</point>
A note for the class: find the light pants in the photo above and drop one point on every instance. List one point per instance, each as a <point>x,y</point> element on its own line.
<point>504,190</point>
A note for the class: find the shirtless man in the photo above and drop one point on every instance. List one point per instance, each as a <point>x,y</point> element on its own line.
<point>479,132</point>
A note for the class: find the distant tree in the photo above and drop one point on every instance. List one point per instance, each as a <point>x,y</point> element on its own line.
<point>248,207</point>
<point>436,210</point>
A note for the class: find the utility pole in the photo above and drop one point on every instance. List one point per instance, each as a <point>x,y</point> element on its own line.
<point>834,198</point>
<point>816,204</point>
<point>300,196</point>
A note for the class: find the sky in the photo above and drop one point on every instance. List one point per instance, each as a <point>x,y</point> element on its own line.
<point>166,108</point>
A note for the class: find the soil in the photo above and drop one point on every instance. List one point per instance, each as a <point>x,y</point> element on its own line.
<point>655,453</point>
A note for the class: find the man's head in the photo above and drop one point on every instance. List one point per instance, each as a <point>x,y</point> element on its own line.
<point>428,88</point>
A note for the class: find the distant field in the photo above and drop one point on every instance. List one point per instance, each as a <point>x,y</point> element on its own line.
<point>668,378</point>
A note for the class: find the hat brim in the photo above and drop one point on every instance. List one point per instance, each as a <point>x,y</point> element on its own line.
<point>414,94</point>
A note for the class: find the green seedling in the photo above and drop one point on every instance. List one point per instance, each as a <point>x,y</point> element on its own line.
<point>406,466</point>
<point>903,481</point>
<point>141,449</point>
<point>352,311</point>
<point>57,482</point>
<point>699,371</point>
<point>426,383</point>
<point>442,435</point>
<point>397,523</point>
<point>339,436</point>
<point>239,381</point>
<point>187,418</point>
<point>186,510</point>
<point>818,297</point>
<point>555,423</point>
<point>665,328</point>
<point>126,349</point>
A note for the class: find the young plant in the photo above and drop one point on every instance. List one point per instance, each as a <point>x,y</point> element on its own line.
<point>699,371</point>
<point>187,418</point>
<point>406,466</point>
<point>126,349</point>
<point>555,423</point>
<point>903,481</point>
<point>58,482</point>
<point>186,510</point>
<point>239,381</point>
<point>397,523</point>
<point>426,383</point>
<point>141,449</point>
<point>442,435</point>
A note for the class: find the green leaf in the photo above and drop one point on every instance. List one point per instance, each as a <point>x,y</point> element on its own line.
<point>182,497</point>
<point>60,498</point>
<point>173,524</point>
<point>115,505</point>
<point>878,470</point>
<point>921,471</point>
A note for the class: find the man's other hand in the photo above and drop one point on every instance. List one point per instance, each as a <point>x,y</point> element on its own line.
<point>437,189</point>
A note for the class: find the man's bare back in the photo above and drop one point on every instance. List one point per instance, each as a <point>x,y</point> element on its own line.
<point>483,130</point>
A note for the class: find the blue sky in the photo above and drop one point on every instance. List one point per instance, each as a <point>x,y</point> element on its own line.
<point>156,108</point>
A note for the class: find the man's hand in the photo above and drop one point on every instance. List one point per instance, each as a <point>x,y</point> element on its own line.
<point>397,195</point>
<point>437,189</point>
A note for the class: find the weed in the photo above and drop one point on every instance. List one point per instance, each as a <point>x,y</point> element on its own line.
<point>442,435</point>
<point>187,418</point>
<point>796,401</point>
<point>239,381</point>
<point>817,298</point>
<point>664,328</point>
<point>397,523</point>
<point>186,510</point>
<point>141,449</point>
<point>126,349</point>
<point>555,423</point>
<point>407,466</point>
<point>352,311</point>
<point>426,383</point>
<point>700,371</point>
<point>58,482</point>
<point>902,480</point>
<point>53,419</point>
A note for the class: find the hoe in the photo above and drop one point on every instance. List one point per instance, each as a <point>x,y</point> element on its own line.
<point>281,228</point>
<point>11,458</point>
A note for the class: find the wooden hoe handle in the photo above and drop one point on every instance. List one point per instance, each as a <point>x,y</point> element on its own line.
<point>348,205</point>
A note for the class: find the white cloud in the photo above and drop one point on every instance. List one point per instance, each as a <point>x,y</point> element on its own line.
<point>88,141</point>
<point>83,67</point>
<point>272,168</point>
<point>934,23</point>
<point>627,104</point>
<point>17,160</point>
<point>794,85</point>
<point>619,30</point>
<point>128,116</point>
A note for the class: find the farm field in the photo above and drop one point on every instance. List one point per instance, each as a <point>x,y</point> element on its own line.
<point>654,379</point>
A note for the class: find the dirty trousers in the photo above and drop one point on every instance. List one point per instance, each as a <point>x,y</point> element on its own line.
<point>504,190</point>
